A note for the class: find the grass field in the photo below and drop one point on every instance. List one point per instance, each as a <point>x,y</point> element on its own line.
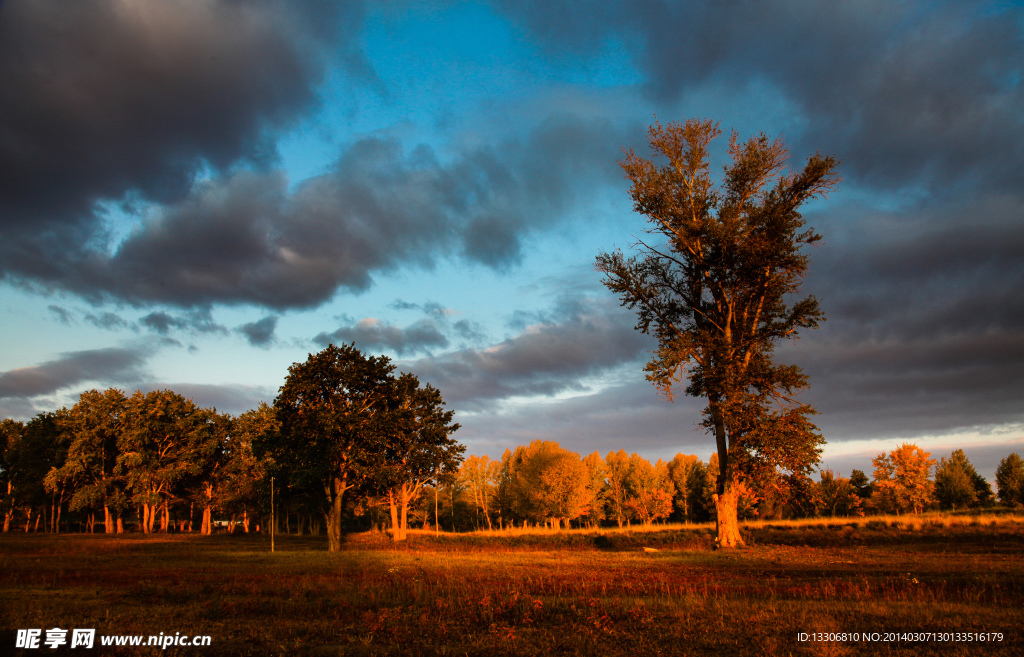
<point>535,592</point>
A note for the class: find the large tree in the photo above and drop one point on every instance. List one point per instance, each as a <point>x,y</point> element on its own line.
<point>1010,480</point>
<point>419,448</point>
<point>244,472</point>
<point>333,412</point>
<point>549,483</point>
<point>166,440</point>
<point>94,426</point>
<point>12,435</point>
<point>958,485</point>
<point>480,476</point>
<point>714,288</point>
<point>903,479</point>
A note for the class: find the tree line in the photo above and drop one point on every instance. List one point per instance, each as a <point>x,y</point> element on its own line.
<point>156,461</point>
<point>542,483</point>
<point>348,443</point>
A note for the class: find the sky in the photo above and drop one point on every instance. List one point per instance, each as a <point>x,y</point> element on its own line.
<point>196,194</point>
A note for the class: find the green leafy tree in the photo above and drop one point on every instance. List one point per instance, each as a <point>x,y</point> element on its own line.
<point>957,482</point>
<point>244,473</point>
<point>1010,480</point>
<point>419,448</point>
<point>209,482</point>
<point>44,449</point>
<point>166,439</point>
<point>837,496</point>
<point>333,412</point>
<point>714,293</point>
<point>12,434</point>
<point>861,484</point>
<point>94,425</point>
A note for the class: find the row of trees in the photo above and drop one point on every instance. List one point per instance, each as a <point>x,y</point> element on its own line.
<point>348,441</point>
<point>157,461</point>
<point>542,483</point>
<point>131,459</point>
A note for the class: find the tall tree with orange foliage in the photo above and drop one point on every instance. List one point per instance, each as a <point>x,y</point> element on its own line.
<point>714,288</point>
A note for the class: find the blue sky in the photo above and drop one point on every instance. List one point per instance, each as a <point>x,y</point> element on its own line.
<point>197,194</point>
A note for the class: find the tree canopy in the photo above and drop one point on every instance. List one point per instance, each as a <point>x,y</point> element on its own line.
<point>346,421</point>
<point>714,290</point>
<point>332,411</point>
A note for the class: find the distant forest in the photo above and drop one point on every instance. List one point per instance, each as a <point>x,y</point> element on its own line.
<point>156,462</point>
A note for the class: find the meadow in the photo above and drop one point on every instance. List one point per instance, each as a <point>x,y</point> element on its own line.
<point>916,581</point>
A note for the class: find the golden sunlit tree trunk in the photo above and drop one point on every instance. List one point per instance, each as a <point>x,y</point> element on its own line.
<point>399,499</point>
<point>206,528</point>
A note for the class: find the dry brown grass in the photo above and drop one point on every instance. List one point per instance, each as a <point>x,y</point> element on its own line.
<point>533,593</point>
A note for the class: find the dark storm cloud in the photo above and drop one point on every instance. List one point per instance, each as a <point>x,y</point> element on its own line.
<point>373,334</point>
<point>922,102</point>
<point>261,332</point>
<point>926,321</point>
<point>248,238</point>
<point>104,100</point>
<point>588,339</point>
<point>907,93</point>
<point>102,97</point>
<point>108,366</point>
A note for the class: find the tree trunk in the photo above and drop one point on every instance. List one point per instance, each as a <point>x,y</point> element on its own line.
<point>108,525</point>
<point>333,516</point>
<point>407,493</point>
<point>726,496</point>
<point>396,527</point>
<point>728,524</point>
<point>207,526</point>
<point>120,525</point>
